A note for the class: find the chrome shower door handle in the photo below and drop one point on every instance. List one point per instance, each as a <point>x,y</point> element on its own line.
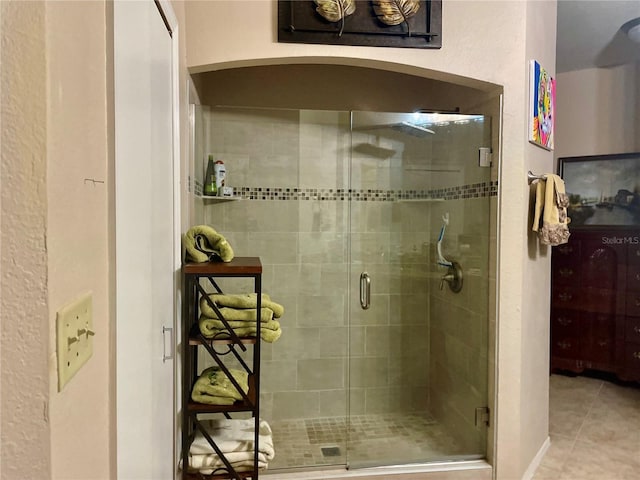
<point>365,290</point>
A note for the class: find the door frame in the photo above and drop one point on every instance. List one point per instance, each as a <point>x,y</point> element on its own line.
<point>171,22</point>
<point>377,119</point>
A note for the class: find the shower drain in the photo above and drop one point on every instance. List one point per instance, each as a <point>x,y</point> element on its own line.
<point>330,451</point>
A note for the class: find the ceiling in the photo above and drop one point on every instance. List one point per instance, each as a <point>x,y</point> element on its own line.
<point>589,34</point>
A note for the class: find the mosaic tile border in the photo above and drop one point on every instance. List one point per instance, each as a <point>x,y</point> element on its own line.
<point>473,190</point>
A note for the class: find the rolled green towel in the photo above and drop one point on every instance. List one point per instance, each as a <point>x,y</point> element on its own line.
<point>266,334</point>
<point>241,300</point>
<point>204,244</point>
<point>213,385</point>
<point>238,314</point>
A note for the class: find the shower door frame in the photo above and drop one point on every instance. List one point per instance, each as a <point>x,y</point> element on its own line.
<point>366,282</point>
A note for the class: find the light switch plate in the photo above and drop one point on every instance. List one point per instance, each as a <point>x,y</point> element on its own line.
<point>74,331</point>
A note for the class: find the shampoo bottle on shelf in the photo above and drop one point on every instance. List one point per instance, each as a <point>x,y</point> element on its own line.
<point>210,178</point>
<point>220,173</point>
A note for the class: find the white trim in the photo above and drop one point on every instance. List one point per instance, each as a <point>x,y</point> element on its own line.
<point>169,15</point>
<point>496,414</point>
<point>172,21</point>
<point>167,11</point>
<point>537,460</point>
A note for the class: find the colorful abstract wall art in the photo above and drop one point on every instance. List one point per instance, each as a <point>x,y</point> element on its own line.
<point>543,106</point>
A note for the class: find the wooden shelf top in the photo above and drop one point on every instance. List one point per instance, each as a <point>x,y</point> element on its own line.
<point>237,266</point>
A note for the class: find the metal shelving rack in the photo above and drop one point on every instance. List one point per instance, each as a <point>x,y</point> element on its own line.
<point>195,274</point>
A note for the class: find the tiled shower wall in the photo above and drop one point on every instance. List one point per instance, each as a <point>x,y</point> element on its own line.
<point>286,163</point>
<point>292,169</point>
<point>459,322</point>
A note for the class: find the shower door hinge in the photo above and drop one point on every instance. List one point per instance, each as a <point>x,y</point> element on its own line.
<point>484,157</point>
<point>482,416</point>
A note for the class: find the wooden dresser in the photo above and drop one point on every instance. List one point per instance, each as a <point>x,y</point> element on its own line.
<point>595,303</point>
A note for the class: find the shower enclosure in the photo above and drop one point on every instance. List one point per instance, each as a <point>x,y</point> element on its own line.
<point>374,232</point>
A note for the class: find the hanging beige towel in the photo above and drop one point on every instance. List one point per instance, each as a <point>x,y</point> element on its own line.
<point>550,215</point>
<point>537,212</point>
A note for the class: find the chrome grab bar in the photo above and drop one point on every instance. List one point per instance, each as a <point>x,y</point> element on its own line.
<point>365,290</point>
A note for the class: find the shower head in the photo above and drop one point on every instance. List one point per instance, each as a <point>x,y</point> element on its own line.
<point>374,150</point>
<point>412,129</point>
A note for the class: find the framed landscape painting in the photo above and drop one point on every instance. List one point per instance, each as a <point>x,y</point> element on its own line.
<point>603,190</point>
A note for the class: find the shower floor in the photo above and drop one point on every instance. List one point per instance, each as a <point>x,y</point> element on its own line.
<point>323,441</point>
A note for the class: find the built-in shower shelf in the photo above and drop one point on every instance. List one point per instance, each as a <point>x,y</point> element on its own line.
<point>421,200</point>
<point>211,199</point>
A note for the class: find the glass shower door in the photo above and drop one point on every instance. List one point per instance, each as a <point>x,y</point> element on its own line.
<point>417,348</point>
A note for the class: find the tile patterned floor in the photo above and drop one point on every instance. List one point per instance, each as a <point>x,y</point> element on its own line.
<point>594,426</point>
<point>404,438</point>
<point>595,430</point>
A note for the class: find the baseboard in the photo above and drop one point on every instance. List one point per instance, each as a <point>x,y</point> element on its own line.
<point>535,463</point>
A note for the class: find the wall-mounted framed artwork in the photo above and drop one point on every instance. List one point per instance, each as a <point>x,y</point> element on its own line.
<point>373,23</point>
<point>603,190</point>
<point>542,106</point>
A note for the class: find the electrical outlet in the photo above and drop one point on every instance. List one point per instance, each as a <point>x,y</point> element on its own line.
<point>74,331</point>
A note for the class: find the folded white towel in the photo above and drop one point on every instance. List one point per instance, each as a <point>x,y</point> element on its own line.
<point>235,439</point>
<point>240,461</point>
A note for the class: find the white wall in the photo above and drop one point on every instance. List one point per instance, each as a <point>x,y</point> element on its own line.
<point>56,238</point>
<point>24,328</point>
<point>77,229</point>
<point>55,227</point>
<point>488,41</point>
<point>598,111</point>
<point>534,333</point>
